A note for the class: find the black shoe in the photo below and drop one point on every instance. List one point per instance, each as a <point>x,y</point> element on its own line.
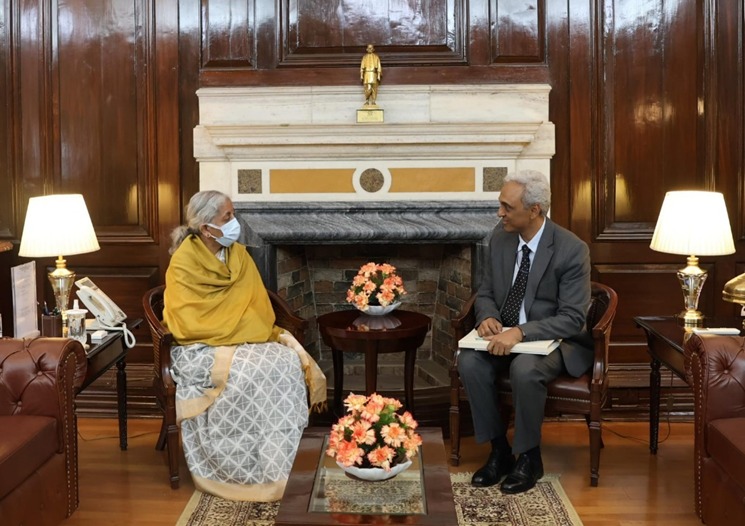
<point>496,467</point>
<point>524,476</point>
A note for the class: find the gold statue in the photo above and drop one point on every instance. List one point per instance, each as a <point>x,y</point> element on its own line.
<point>370,74</point>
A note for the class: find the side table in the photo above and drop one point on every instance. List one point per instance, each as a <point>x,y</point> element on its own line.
<point>666,337</point>
<point>339,333</point>
<point>101,357</point>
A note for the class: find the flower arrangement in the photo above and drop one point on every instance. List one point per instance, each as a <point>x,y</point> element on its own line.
<point>373,434</point>
<point>375,285</point>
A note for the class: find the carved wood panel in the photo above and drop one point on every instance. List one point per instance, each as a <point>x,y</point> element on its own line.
<point>518,30</point>
<point>648,110</point>
<point>102,90</point>
<point>322,32</point>
<point>227,33</point>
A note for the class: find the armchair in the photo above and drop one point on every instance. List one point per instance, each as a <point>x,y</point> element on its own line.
<point>165,387</point>
<point>39,379</point>
<point>585,395</point>
<point>715,367</point>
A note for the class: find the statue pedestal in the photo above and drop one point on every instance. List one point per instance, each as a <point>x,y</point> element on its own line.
<point>370,114</point>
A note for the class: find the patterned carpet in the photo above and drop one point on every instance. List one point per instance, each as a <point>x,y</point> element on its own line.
<point>544,505</point>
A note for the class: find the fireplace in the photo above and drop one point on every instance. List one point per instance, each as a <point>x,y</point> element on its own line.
<point>319,194</point>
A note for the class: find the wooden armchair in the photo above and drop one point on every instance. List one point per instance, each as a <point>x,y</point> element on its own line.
<point>165,387</point>
<point>585,395</point>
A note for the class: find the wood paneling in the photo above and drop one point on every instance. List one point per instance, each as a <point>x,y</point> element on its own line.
<point>319,32</point>
<point>99,98</point>
<point>227,33</point>
<point>519,30</point>
<point>649,115</point>
<point>92,108</point>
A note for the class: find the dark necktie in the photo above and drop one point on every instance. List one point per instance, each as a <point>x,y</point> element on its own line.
<point>511,311</point>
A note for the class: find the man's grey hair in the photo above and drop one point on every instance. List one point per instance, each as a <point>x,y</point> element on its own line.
<point>537,190</point>
<point>203,207</point>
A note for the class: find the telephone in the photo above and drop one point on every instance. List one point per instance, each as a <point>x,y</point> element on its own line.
<point>107,313</point>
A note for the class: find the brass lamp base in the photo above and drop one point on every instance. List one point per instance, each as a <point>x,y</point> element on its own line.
<point>61,279</point>
<point>692,280</point>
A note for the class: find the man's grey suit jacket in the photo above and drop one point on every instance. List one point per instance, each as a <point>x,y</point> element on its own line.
<point>557,296</point>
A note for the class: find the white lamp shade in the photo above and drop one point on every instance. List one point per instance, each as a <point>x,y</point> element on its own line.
<point>693,223</point>
<point>57,225</point>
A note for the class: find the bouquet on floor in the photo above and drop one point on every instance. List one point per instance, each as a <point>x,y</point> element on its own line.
<point>375,285</point>
<point>373,434</point>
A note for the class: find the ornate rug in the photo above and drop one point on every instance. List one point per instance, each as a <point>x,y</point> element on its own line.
<point>544,505</point>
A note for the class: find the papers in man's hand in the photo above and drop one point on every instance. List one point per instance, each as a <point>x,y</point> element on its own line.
<point>472,340</point>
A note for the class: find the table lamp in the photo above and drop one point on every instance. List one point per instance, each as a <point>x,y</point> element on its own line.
<point>734,291</point>
<point>58,225</point>
<point>693,223</point>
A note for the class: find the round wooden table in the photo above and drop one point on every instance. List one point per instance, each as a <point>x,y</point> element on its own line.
<point>338,332</point>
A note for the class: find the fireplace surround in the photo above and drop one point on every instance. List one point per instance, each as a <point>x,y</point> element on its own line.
<point>318,194</point>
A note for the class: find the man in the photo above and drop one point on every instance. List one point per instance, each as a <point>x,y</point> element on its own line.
<point>544,297</point>
<point>371,73</point>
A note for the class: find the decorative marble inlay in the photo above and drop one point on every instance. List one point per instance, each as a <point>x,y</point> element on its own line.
<point>372,180</point>
<point>249,181</point>
<point>494,178</point>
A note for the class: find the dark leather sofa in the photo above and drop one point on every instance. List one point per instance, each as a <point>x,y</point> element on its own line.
<point>38,433</point>
<point>715,368</point>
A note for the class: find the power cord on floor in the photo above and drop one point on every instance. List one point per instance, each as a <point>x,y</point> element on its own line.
<point>667,421</point>
<point>107,437</point>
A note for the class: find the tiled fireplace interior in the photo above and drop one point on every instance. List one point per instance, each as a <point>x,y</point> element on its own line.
<point>310,255</point>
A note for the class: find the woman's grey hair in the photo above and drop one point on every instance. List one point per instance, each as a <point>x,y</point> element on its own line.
<point>537,190</point>
<point>203,207</point>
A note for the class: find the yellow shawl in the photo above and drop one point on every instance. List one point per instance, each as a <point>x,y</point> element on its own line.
<point>208,301</point>
<point>225,304</point>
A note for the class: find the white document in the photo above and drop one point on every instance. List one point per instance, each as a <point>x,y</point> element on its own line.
<point>472,340</point>
<point>25,313</point>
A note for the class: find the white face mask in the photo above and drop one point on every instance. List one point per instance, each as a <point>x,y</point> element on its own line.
<point>231,231</point>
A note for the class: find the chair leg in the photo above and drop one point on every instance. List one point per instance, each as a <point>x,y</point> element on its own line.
<point>596,442</point>
<point>174,453</point>
<point>455,422</point>
<point>161,443</point>
<point>587,419</point>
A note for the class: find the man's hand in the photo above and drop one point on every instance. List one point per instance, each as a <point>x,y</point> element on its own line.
<point>501,344</point>
<point>489,327</point>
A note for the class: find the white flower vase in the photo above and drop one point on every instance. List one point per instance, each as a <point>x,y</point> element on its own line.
<point>376,317</point>
<point>374,474</point>
<point>379,310</point>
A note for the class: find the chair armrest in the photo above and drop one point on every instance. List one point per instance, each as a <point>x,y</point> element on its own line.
<point>716,369</point>
<point>286,318</point>
<point>466,319</point>
<point>41,377</point>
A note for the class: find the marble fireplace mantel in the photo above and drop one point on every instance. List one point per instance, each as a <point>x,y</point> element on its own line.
<point>298,144</point>
<point>300,170</point>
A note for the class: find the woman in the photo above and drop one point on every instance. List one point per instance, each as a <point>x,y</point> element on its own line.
<point>241,380</point>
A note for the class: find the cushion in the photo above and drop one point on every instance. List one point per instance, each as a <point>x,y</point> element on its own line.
<point>726,445</point>
<point>26,443</point>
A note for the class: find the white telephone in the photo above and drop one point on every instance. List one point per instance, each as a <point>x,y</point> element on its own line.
<point>108,314</point>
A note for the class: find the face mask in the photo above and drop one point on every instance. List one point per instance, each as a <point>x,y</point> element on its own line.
<point>230,232</point>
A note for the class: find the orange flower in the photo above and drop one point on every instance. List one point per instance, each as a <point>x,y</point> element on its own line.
<point>373,434</point>
<point>378,283</point>
<point>381,457</point>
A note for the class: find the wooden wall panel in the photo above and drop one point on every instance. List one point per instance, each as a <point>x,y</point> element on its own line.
<point>648,119</point>
<point>102,112</point>
<point>318,32</point>
<point>92,107</point>
<point>519,30</point>
<point>227,33</point>
<point>7,201</point>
